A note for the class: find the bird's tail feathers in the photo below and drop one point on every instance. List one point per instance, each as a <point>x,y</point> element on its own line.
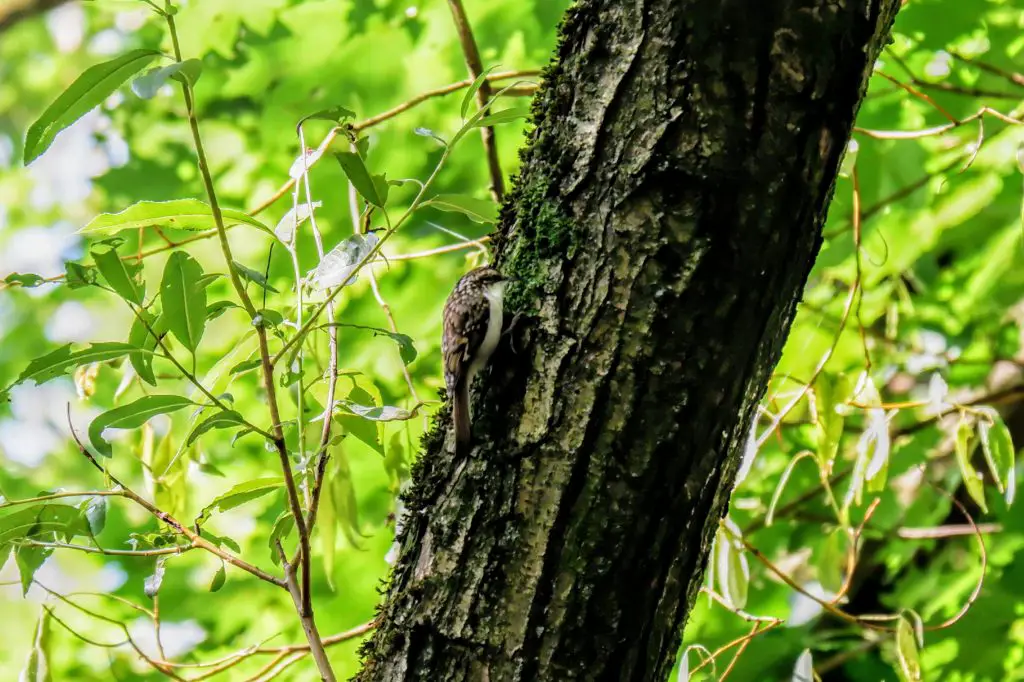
<point>461,418</point>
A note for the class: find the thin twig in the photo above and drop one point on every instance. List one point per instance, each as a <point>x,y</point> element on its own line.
<point>483,95</point>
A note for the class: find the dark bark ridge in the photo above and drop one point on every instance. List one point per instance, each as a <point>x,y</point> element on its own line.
<point>662,229</point>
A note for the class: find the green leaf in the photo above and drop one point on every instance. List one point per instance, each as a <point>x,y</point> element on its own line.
<point>131,416</point>
<point>997,444</point>
<point>964,448</point>
<point>77,275</point>
<point>254,276</point>
<point>184,299</point>
<point>239,495</point>
<point>829,392</point>
<point>406,348</point>
<point>377,413</point>
<point>37,668</point>
<point>780,486</point>
<point>187,72</point>
<point>62,519</point>
<point>28,280</point>
<point>124,279</point>
<point>503,116</point>
<point>29,559</point>
<point>334,114</point>
<point>357,174</point>
<point>140,337</point>
<point>151,585</point>
<point>90,89</point>
<point>833,561</point>
<point>478,210</point>
<point>220,420</point>
<point>365,430</point>
<point>907,651</point>
<point>217,308</point>
<point>478,83</point>
<point>282,529</point>
<point>245,366</point>
<point>218,578</point>
<point>57,363</point>
<point>180,214</point>
<point>95,511</point>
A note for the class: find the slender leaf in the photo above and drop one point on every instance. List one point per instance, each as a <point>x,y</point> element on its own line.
<point>131,416</point>
<point>57,363</point>
<point>478,83</point>
<point>180,214</point>
<point>803,671</point>
<point>219,578</point>
<point>997,445</point>
<point>357,174</point>
<point>124,279</point>
<point>478,210</point>
<point>279,534</point>
<point>77,275</point>
<point>254,276</point>
<point>64,520</point>
<point>503,116</point>
<point>219,420</point>
<point>140,337</point>
<point>27,280</point>
<point>907,651</point>
<point>37,667</point>
<point>963,448</point>
<point>90,89</point>
<point>184,299</point>
<point>239,495</point>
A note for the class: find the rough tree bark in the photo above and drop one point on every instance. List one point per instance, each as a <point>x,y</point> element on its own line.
<point>666,218</point>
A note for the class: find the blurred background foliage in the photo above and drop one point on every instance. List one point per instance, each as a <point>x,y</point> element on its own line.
<point>917,285</point>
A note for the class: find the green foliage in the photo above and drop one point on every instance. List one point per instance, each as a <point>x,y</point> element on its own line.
<point>848,461</point>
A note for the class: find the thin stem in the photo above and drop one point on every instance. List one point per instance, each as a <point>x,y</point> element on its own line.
<point>316,645</point>
<point>305,608</point>
<point>180,549</point>
<point>483,95</point>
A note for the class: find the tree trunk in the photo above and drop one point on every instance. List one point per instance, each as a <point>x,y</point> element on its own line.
<point>667,216</point>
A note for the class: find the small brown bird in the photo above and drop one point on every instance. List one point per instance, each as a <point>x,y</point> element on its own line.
<point>473,317</point>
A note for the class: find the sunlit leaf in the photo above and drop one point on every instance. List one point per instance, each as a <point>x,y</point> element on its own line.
<point>907,651</point>
<point>57,363</point>
<point>184,299</point>
<point>123,278</point>
<point>179,214</point>
<point>478,210</point>
<point>964,448</point>
<point>283,527</point>
<point>29,559</point>
<point>152,583</point>
<point>148,84</point>
<point>832,562</point>
<point>336,268</point>
<point>28,280</point>
<point>378,413</point>
<point>503,116</point>
<point>477,83</point>
<point>732,569</point>
<point>803,671</point>
<point>285,229</point>
<point>63,520</point>
<point>239,495</point>
<point>254,276</point>
<point>219,578</point>
<point>143,335</point>
<point>37,667</point>
<point>357,174</point>
<point>95,511</point>
<point>77,275</point>
<point>131,416</point>
<point>997,445</point>
<point>90,89</point>
<point>218,420</point>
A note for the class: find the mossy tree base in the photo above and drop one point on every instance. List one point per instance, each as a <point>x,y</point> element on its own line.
<point>666,219</point>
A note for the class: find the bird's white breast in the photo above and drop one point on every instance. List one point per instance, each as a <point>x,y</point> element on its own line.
<point>495,295</point>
